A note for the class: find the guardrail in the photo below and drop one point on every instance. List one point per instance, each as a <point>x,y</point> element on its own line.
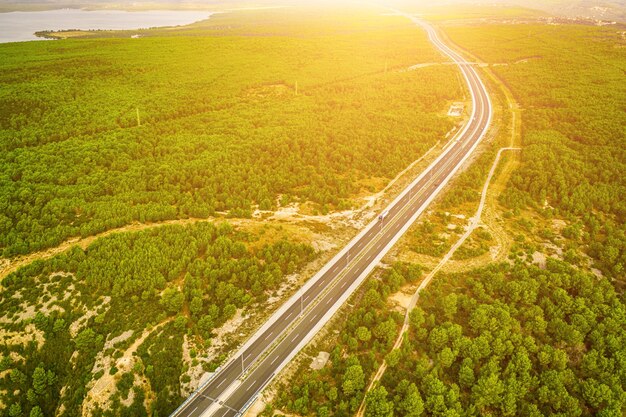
<point>196,391</point>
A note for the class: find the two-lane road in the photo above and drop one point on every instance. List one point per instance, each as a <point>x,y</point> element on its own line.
<point>275,344</point>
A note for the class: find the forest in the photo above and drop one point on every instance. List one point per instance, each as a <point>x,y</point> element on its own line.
<point>509,338</point>
<point>244,113</point>
<point>99,133</point>
<point>512,341</point>
<point>503,340</point>
<point>574,159</point>
<point>81,305</point>
<point>367,334</point>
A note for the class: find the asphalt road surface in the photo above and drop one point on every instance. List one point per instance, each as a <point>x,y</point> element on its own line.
<point>234,387</point>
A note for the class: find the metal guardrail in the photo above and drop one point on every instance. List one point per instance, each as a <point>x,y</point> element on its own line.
<point>194,394</point>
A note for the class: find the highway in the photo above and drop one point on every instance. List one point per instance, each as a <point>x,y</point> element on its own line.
<point>237,383</point>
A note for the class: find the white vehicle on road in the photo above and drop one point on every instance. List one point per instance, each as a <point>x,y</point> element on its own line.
<point>382,215</point>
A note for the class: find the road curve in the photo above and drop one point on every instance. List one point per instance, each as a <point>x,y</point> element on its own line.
<point>237,383</point>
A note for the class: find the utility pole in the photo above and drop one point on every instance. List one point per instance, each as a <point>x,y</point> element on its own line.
<point>138,121</point>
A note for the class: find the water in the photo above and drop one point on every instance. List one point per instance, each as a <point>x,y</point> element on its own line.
<point>21,26</point>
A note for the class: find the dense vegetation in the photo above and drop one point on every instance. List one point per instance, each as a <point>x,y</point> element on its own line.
<point>222,128</point>
<point>511,341</point>
<point>187,280</point>
<point>574,156</point>
<point>367,334</point>
<point>521,340</point>
<point>223,131</point>
<point>503,340</point>
<point>513,338</point>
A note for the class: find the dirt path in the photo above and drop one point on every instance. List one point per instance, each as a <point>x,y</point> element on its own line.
<point>11,265</point>
<point>8,266</point>
<point>103,389</point>
<point>492,220</point>
<point>474,223</point>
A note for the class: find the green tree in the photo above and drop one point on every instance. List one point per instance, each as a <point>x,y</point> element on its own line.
<point>229,311</point>
<point>15,410</point>
<point>449,306</point>
<point>353,380</point>
<point>172,300</point>
<point>386,331</point>
<point>416,318</point>
<point>180,323</point>
<point>18,377</point>
<point>59,325</point>
<point>466,374</point>
<point>438,338</point>
<point>31,397</point>
<point>195,306</point>
<point>363,334</point>
<point>85,340</point>
<point>40,320</point>
<point>412,404</point>
<point>332,394</point>
<point>596,394</point>
<point>377,403</point>
<point>5,363</point>
<point>36,412</point>
<point>372,298</point>
<point>393,358</point>
<point>205,324</point>
<point>40,381</point>
<point>488,391</point>
<point>446,357</point>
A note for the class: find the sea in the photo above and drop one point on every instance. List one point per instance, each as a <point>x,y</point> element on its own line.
<point>21,26</point>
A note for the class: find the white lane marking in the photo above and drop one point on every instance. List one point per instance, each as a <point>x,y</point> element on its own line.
<point>267,337</point>
<point>251,385</point>
<point>295,337</point>
<point>313,318</point>
<point>474,117</point>
<point>218,385</point>
<point>289,315</point>
<point>344,284</point>
<point>274,360</point>
<point>195,408</point>
<point>329,300</point>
